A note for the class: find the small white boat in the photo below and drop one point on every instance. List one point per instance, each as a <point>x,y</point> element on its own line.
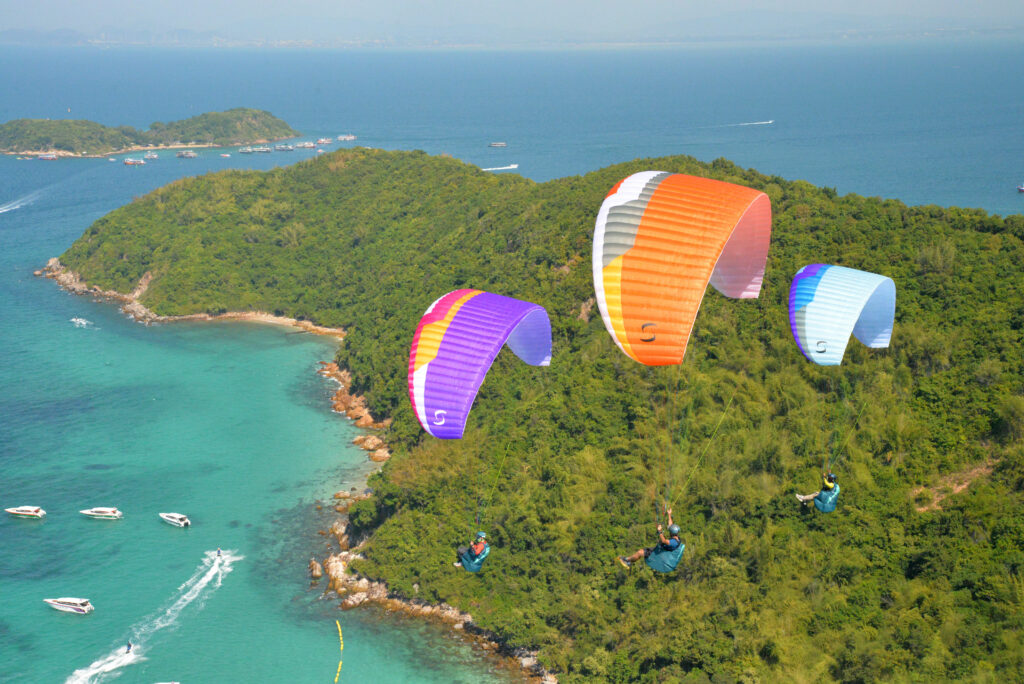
<point>26,511</point>
<point>129,161</point>
<point>151,155</point>
<point>497,144</point>
<point>103,513</point>
<point>324,141</point>
<point>71,605</point>
<point>176,519</point>
<point>346,137</point>
<point>224,154</point>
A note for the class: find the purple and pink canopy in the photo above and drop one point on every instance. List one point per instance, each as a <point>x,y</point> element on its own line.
<point>454,346</point>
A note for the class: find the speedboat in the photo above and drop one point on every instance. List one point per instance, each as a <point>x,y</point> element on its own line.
<point>103,513</point>
<point>224,154</point>
<point>497,144</point>
<point>176,519</point>
<point>26,511</point>
<point>71,605</point>
<point>1020,188</point>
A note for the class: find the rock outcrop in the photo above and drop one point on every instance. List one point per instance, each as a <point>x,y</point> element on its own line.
<point>356,590</point>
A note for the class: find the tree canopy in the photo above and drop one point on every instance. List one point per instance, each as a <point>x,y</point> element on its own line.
<point>565,466</point>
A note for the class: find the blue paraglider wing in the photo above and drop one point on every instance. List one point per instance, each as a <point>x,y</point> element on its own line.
<point>829,303</point>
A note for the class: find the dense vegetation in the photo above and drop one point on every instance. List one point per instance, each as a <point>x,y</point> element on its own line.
<point>565,466</point>
<point>234,126</point>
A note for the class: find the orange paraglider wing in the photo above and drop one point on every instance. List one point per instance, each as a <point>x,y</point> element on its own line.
<point>660,238</point>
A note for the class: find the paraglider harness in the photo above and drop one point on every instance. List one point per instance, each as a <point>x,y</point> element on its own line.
<point>826,499</point>
<point>662,558</point>
<point>472,560</point>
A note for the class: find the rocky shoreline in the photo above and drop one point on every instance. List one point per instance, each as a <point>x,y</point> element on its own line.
<point>72,282</point>
<point>356,590</point>
<point>353,589</point>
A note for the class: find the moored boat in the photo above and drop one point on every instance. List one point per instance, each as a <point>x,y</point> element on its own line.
<point>261,148</point>
<point>305,145</point>
<point>245,150</point>
<point>47,156</point>
<point>103,513</point>
<point>151,155</point>
<point>346,137</point>
<point>128,161</point>
<point>70,604</point>
<point>186,154</point>
<point>324,141</point>
<point>284,148</point>
<point>176,519</point>
<point>26,512</point>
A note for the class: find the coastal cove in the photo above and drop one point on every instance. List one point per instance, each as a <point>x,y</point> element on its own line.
<point>354,590</point>
<point>228,421</point>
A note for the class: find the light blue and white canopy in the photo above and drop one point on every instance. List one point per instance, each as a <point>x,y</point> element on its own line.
<point>827,303</point>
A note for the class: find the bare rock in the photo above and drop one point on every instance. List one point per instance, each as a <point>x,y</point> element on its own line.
<point>380,455</point>
<point>342,495</point>
<point>372,443</point>
<point>364,421</point>
<point>316,571</point>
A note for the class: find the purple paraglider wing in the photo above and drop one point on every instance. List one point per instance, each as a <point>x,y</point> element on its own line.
<point>454,346</point>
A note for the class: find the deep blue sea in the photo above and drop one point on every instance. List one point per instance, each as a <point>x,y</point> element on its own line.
<point>229,423</point>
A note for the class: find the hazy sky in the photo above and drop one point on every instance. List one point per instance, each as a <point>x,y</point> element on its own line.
<point>510,21</point>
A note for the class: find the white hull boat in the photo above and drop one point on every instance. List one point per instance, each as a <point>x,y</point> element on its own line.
<point>103,513</point>
<point>71,605</point>
<point>176,519</point>
<point>26,511</point>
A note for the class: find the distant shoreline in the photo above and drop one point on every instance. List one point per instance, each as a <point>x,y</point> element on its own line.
<point>137,148</point>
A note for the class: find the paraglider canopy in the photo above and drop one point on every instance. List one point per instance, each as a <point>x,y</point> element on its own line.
<point>659,239</point>
<point>828,303</point>
<point>454,346</point>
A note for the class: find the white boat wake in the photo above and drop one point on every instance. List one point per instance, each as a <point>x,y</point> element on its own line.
<point>769,122</point>
<point>81,322</point>
<point>206,579</point>
<point>20,202</point>
<point>503,168</point>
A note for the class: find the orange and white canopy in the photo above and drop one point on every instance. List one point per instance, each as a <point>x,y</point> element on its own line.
<point>660,238</point>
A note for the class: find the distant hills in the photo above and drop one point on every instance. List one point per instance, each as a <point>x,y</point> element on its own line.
<point>88,138</point>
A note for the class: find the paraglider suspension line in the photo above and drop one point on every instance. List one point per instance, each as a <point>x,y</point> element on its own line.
<point>707,446</point>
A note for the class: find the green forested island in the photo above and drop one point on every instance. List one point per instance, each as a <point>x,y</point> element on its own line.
<point>80,137</point>
<point>564,466</point>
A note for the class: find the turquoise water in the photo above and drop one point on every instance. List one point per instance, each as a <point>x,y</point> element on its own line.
<point>229,422</point>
